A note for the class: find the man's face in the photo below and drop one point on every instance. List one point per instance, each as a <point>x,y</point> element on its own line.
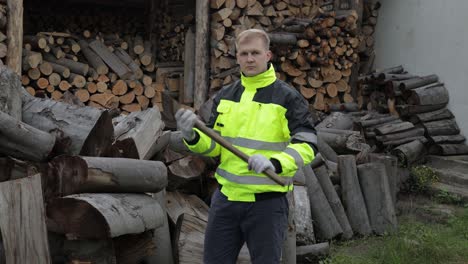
<point>252,56</point>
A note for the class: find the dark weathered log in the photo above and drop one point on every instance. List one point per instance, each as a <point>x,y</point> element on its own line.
<point>429,96</point>
<point>10,96</point>
<point>442,127</point>
<point>334,200</point>
<point>189,67</point>
<point>391,168</point>
<point>377,121</point>
<point>326,150</point>
<point>283,38</point>
<point>13,169</point>
<point>393,128</point>
<point>410,152</point>
<point>98,216</point>
<point>418,82</point>
<point>308,253</point>
<point>336,120</point>
<point>406,110</point>
<point>86,131</point>
<point>374,183</point>
<point>22,221</point>
<point>289,244</point>
<point>353,201</point>
<point>327,225</point>
<point>90,251</point>
<point>138,132</point>
<point>349,107</point>
<point>440,114</point>
<point>449,149</point>
<point>402,141</point>
<point>303,217</point>
<point>395,70</point>
<point>185,173</point>
<point>134,248</point>
<point>179,203</point>
<point>111,59</point>
<point>447,139</point>
<point>202,56</point>
<point>20,140</point>
<point>344,144</point>
<point>74,174</point>
<point>415,132</point>
<point>388,77</point>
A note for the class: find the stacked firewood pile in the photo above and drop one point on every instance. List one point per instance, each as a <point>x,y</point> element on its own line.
<point>96,177</point>
<point>105,63</point>
<point>419,123</point>
<point>367,39</point>
<point>3,33</point>
<point>314,50</point>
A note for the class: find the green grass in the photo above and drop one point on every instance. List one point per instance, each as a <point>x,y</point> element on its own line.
<point>415,242</point>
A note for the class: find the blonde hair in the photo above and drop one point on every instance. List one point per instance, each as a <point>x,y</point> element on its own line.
<point>251,34</point>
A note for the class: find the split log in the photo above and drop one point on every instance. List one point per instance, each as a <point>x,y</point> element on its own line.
<point>179,204</point>
<point>99,216</point>
<point>353,200</point>
<point>189,239</point>
<point>10,96</point>
<point>306,254</point>
<point>138,132</point>
<point>442,127</point>
<point>449,149</point>
<point>373,179</point>
<point>23,141</point>
<point>111,59</point>
<point>74,174</point>
<point>79,130</point>
<point>327,225</point>
<point>303,217</point>
<point>334,200</point>
<point>22,222</point>
<point>440,114</point>
<point>409,153</point>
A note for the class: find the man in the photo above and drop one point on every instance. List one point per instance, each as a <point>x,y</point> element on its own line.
<point>269,121</point>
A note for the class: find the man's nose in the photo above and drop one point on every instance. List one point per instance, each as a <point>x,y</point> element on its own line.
<point>250,57</point>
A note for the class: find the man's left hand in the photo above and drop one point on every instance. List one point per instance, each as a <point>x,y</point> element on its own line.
<point>260,163</point>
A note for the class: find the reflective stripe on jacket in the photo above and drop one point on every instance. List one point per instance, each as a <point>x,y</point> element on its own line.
<point>258,115</point>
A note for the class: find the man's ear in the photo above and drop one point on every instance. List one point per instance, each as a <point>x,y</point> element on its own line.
<point>269,55</point>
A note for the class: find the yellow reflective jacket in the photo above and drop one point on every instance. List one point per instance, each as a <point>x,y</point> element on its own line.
<point>258,115</point>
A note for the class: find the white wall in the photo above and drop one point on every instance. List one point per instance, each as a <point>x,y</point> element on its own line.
<point>428,36</point>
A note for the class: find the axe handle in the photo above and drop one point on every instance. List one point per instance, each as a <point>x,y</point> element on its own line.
<point>225,144</point>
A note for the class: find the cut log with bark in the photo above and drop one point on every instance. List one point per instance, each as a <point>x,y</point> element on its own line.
<point>99,216</point>
<point>440,114</point>
<point>303,217</point>
<point>336,120</point>
<point>417,82</point>
<point>353,200</point>
<point>327,225</point>
<point>185,173</point>
<point>433,95</point>
<point>373,179</point>
<point>23,141</point>
<point>79,130</point>
<point>179,204</point>
<point>326,151</point>
<point>13,169</point>
<point>447,139</point>
<point>138,133</point>
<point>393,128</point>
<point>22,221</point>
<point>334,200</point>
<point>10,96</point>
<point>449,149</point>
<point>442,127</point>
<point>74,174</point>
<point>415,132</point>
<point>410,152</point>
<point>289,243</point>
<point>189,67</point>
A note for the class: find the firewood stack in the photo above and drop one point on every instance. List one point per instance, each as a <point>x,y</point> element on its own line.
<point>314,51</point>
<point>366,38</point>
<point>3,32</point>
<point>419,121</point>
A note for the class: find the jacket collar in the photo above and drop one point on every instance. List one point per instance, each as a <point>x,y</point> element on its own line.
<point>260,80</point>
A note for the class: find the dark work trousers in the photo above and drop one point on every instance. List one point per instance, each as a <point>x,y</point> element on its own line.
<point>261,224</point>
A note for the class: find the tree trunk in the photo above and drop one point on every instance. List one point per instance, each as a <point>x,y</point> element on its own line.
<point>74,174</point>
<point>138,132</point>
<point>334,200</point>
<point>373,179</point>
<point>99,216</point>
<point>79,130</point>
<point>23,141</point>
<point>303,217</point>
<point>353,200</point>
<point>326,223</point>
<point>22,221</point>
<point>10,96</point>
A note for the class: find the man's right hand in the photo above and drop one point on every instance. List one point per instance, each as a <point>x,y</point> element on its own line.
<point>185,121</point>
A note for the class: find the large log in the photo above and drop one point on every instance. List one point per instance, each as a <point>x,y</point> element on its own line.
<point>89,251</point>
<point>334,200</point>
<point>184,174</point>
<point>20,140</point>
<point>134,248</point>
<point>138,133</point>
<point>374,183</point>
<point>99,216</point>
<point>22,221</point>
<point>303,217</point>
<point>406,110</point>
<point>79,130</point>
<point>410,152</point>
<point>179,203</point>
<point>74,174</point>
<point>415,132</point>
<point>10,96</point>
<point>353,200</point>
<point>393,128</point>
<point>326,222</point>
<point>326,150</point>
<point>417,82</point>
<point>429,96</point>
<point>202,55</point>
<point>120,68</point>
<point>442,127</point>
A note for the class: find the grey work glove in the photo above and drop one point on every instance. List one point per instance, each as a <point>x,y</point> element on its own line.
<point>260,163</point>
<point>185,122</point>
